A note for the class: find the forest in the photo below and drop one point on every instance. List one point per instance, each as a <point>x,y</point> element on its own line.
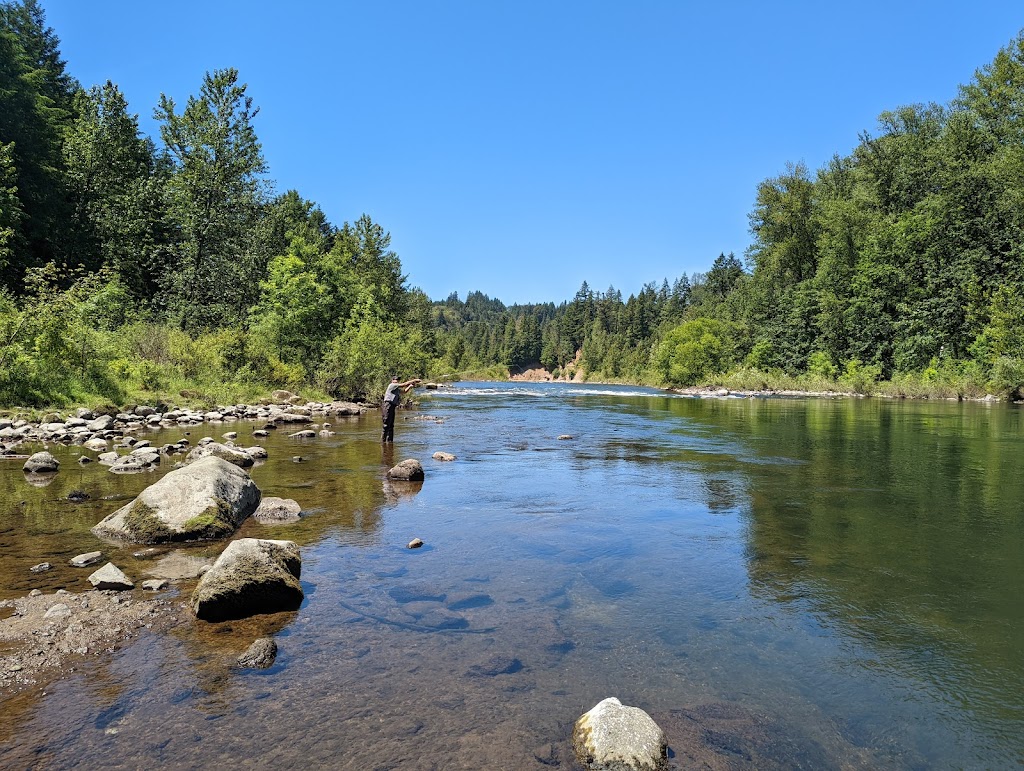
<point>136,267</point>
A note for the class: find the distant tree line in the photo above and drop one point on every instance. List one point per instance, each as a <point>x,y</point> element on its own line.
<point>902,261</point>
<point>132,264</point>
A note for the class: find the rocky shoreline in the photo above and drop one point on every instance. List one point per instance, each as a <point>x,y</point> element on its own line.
<point>44,635</point>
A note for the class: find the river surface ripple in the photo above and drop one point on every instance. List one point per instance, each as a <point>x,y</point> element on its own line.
<point>780,582</point>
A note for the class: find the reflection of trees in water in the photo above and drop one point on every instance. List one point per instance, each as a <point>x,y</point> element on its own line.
<point>902,525</point>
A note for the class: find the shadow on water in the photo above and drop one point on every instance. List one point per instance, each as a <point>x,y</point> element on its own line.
<point>780,583</point>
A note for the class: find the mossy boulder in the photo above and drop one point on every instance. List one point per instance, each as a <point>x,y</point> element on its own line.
<point>205,500</point>
<point>251,576</point>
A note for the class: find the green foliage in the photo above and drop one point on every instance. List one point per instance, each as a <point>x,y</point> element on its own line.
<point>692,351</point>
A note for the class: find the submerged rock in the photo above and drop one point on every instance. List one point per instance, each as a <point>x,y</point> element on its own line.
<point>443,456</point>
<point>259,655</point>
<point>41,463</point>
<point>275,511</point>
<point>204,500</point>
<point>251,576</point>
<point>409,470</point>
<point>614,737</point>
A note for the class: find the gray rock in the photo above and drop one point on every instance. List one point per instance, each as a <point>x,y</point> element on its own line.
<point>96,444</point>
<point>204,500</point>
<point>260,433</point>
<point>275,511</point>
<point>415,543</point>
<point>230,454</point>
<point>87,559</point>
<point>107,458</point>
<point>443,456</point>
<point>60,610</point>
<point>36,593</point>
<point>110,577</point>
<point>259,655</point>
<point>256,452</point>
<point>84,459</point>
<point>291,417</point>
<point>563,437</point>
<point>102,423</point>
<point>155,584</point>
<point>251,576</point>
<point>41,463</point>
<point>613,737</point>
<point>128,464</point>
<point>409,470</point>
<point>42,567</point>
<point>307,434</point>
<point>281,395</point>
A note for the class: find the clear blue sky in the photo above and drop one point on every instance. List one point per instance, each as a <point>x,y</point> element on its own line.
<point>522,147</point>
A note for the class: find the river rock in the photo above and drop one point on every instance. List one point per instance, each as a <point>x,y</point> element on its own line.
<point>87,559</point>
<point>415,543</point>
<point>307,434</point>
<point>259,655</point>
<point>614,737</point>
<point>41,463</point>
<point>443,456</point>
<point>564,437</point>
<point>206,499</point>
<point>494,666</point>
<point>275,511</point>
<point>155,584</point>
<point>409,470</point>
<point>107,458</point>
<point>255,452</point>
<point>96,444</point>
<point>110,577</point>
<point>251,576</point>
<point>102,423</point>
<point>230,454</point>
<point>60,610</point>
<point>84,460</point>
<point>128,464</point>
<point>42,567</point>
<point>281,395</point>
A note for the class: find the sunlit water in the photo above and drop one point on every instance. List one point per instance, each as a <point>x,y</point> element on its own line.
<point>842,577</point>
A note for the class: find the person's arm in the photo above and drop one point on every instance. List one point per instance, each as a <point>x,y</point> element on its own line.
<point>408,385</point>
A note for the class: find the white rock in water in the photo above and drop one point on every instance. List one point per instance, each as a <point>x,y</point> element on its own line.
<point>110,577</point>
<point>84,560</point>
<point>614,737</point>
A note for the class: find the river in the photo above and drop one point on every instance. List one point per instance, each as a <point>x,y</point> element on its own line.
<point>779,582</point>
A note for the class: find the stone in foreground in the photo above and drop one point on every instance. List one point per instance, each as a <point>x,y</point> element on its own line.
<point>41,463</point>
<point>205,500</point>
<point>614,737</point>
<point>251,576</point>
<point>110,577</point>
<point>259,655</point>
<point>409,470</point>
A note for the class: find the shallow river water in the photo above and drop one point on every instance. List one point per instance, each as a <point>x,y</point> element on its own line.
<point>781,583</point>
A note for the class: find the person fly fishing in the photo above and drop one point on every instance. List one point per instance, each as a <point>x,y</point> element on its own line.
<point>388,408</point>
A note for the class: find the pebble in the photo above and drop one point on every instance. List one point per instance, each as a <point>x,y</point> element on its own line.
<point>415,543</point>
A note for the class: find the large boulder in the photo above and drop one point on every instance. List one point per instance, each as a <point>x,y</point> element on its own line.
<point>614,737</point>
<point>409,470</point>
<point>41,463</point>
<point>251,576</point>
<point>230,454</point>
<point>204,500</point>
